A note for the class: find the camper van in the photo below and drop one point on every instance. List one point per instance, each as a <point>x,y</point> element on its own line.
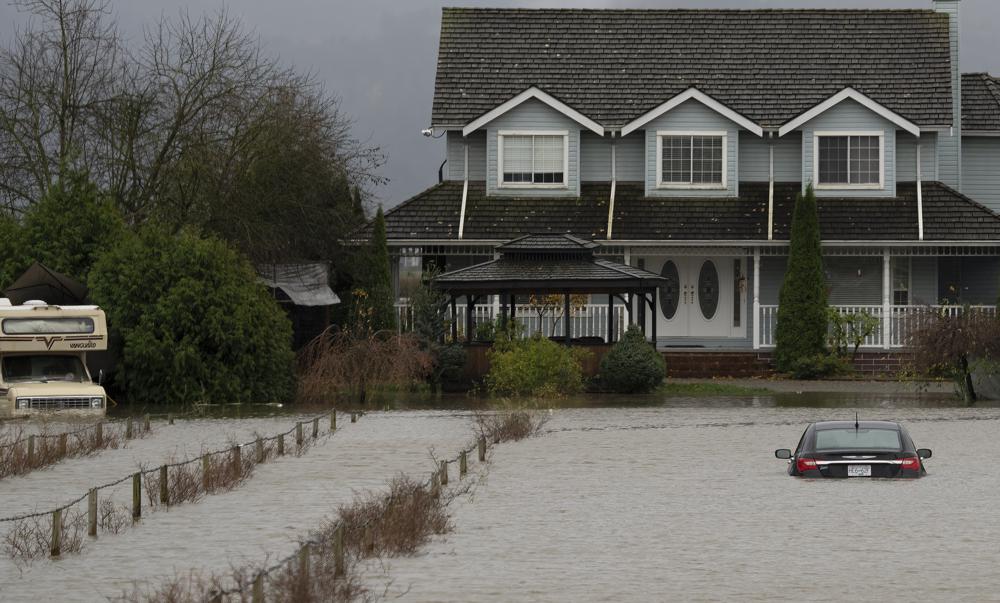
<point>43,358</point>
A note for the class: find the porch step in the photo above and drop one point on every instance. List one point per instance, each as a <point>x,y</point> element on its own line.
<point>699,364</point>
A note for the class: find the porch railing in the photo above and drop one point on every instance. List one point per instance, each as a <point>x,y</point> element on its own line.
<point>901,322</point>
<point>590,320</point>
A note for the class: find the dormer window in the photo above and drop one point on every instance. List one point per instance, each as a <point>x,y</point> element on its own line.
<point>849,160</point>
<point>691,159</point>
<point>533,159</point>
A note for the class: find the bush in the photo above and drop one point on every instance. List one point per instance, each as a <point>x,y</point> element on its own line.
<point>632,365</point>
<point>818,366</point>
<point>190,321</point>
<point>14,258</point>
<point>534,367</point>
<point>802,316</point>
<point>955,346</point>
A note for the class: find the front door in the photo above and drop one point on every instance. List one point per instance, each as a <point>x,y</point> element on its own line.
<point>697,299</point>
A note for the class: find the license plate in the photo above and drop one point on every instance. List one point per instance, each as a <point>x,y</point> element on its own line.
<point>859,471</point>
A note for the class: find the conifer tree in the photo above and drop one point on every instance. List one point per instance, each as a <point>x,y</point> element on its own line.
<point>377,281</point>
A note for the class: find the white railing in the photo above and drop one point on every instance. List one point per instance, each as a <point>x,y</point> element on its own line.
<point>590,320</point>
<point>902,320</point>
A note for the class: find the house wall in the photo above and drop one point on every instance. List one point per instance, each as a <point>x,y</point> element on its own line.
<point>456,155</point>
<point>754,157</point>
<point>693,116</point>
<point>906,156</point>
<point>850,115</point>
<point>595,157</point>
<point>981,170</point>
<point>533,115</point>
<point>950,141</point>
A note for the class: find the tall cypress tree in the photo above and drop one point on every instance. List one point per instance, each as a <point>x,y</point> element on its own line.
<point>802,313</point>
<point>379,278</point>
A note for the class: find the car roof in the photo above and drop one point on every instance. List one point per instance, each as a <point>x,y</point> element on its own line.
<point>861,425</point>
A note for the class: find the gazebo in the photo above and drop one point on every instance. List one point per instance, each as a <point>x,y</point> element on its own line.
<point>548,264</point>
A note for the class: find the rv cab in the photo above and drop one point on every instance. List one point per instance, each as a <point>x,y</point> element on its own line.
<point>43,358</point>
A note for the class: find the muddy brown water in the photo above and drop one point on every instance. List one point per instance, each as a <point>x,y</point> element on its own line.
<point>653,499</point>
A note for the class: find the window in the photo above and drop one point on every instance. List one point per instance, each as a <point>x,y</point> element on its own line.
<point>47,326</point>
<point>533,159</point>
<point>849,160</point>
<point>857,439</point>
<point>900,271</point>
<point>691,160</point>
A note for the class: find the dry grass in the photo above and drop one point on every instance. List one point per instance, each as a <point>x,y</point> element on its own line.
<point>48,450</point>
<point>30,538</point>
<point>509,424</point>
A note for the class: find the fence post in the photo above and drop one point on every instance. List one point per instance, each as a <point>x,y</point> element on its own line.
<point>315,428</point>
<point>435,484</point>
<point>31,451</point>
<point>237,462</point>
<point>206,472</point>
<point>463,466</point>
<point>333,420</point>
<point>170,419</point>
<point>128,428</point>
<point>56,545</point>
<point>164,486</point>
<point>338,552</point>
<point>92,512</point>
<point>368,544</point>
<point>354,417</point>
<point>281,444</point>
<point>63,449</point>
<point>304,566</point>
<point>260,451</point>
<point>136,496</point>
<point>99,434</point>
<point>258,589</point>
<point>145,423</point>
<point>298,434</point>
<point>482,449</point>
<point>444,473</point>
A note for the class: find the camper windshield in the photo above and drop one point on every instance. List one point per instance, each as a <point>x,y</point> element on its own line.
<point>43,368</point>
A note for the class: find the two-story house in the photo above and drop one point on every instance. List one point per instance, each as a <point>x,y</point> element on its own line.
<point>678,140</point>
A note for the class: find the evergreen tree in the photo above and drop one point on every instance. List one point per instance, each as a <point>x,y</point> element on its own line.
<point>802,311</point>
<point>358,205</point>
<point>377,280</point>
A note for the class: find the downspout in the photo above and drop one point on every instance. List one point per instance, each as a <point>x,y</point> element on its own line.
<point>465,191</point>
<point>920,198</point>
<point>770,186</point>
<point>611,201</point>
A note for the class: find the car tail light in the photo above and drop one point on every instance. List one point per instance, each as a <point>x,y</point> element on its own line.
<point>804,464</point>
<point>910,463</point>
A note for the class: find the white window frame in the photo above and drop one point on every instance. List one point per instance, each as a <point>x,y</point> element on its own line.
<point>556,185</point>
<point>880,185</point>
<point>660,134</point>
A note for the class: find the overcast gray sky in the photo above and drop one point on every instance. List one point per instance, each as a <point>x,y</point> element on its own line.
<point>379,56</point>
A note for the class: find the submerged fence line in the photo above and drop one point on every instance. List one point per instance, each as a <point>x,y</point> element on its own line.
<point>98,426</point>
<point>25,539</point>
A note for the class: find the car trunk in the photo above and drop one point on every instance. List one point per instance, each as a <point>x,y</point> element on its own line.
<point>859,463</point>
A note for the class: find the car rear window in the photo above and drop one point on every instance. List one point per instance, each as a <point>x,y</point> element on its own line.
<point>857,439</point>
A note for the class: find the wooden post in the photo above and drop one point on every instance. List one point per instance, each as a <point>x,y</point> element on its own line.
<point>454,320</point>
<point>463,466</point>
<point>55,547</point>
<point>436,484</point>
<point>136,496</point>
<point>258,589</point>
<point>470,308</point>
<point>145,423</point>
<point>92,512</point>
<point>298,434</point>
<point>237,462</point>
<point>333,420</point>
<point>63,448</point>
<point>281,444</point>
<point>170,419</point>
<point>206,473</point>
<point>368,541</point>
<point>315,428</point>
<point>31,451</point>
<point>338,552</point>
<point>260,451</point>
<point>444,473</point>
<point>164,486</point>
<point>128,428</point>
<point>304,565</point>
<point>99,435</point>
<point>567,319</point>
<point>354,417</point>
<point>482,449</point>
<point>611,319</point>
<point>652,310</point>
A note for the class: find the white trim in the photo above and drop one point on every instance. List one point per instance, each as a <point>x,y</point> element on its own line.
<point>701,97</point>
<point>534,93</point>
<point>660,184</point>
<point>920,197</point>
<point>846,186</point>
<point>756,298</point>
<point>465,191</point>
<point>531,185</point>
<point>850,93</point>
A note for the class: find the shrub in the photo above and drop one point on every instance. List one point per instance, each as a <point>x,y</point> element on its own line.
<point>534,367</point>
<point>954,346</point>
<point>632,365</point>
<point>802,320</point>
<point>13,255</point>
<point>190,322</point>
<point>818,366</point>
<point>849,331</point>
<point>486,331</point>
<point>376,280</point>
<point>431,328</point>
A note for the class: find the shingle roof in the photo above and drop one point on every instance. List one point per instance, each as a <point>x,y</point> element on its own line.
<point>769,65</point>
<point>535,243</point>
<point>980,102</point>
<point>434,214</point>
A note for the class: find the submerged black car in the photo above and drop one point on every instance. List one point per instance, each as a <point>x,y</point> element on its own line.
<point>855,449</point>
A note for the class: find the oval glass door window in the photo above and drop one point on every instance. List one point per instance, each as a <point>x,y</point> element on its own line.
<point>708,289</point>
<point>670,290</point>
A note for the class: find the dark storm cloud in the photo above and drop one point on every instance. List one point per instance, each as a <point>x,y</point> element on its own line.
<point>379,57</point>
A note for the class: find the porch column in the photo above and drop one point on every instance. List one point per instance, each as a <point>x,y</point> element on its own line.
<point>454,320</point>
<point>568,319</point>
<point>470,306</point>
<point>886,300</point>
<point>755,322</point>
<point>611,318</point>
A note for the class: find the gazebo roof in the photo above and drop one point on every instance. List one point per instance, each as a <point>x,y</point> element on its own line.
<point>547,263</point>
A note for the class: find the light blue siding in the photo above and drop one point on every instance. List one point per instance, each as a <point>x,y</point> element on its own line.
<point>850,115</point>
<point>923,280</point>
<point>906,157</point>
<point>949,159</point>
<point>533,115</point>
<point>456,155</point>
<point>595,158</point>
<point>754,158</point>
<point>981,170</point>
<point>950,143</point>
<point>693,116</point>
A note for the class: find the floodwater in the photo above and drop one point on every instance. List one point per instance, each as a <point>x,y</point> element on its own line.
<point>669,499</point>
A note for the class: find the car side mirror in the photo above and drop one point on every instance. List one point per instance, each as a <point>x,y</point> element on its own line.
<point>924,453</point>
<point>784,453</point>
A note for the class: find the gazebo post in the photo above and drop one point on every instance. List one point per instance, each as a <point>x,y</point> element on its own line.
<point>454,319</point>
<point>513,307</point>
<point>567,317</point>
<point>611,318</point>
<point>470,305</point>
<point>628,308</point>
<point>652,308</point>
<point>503,310</point>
